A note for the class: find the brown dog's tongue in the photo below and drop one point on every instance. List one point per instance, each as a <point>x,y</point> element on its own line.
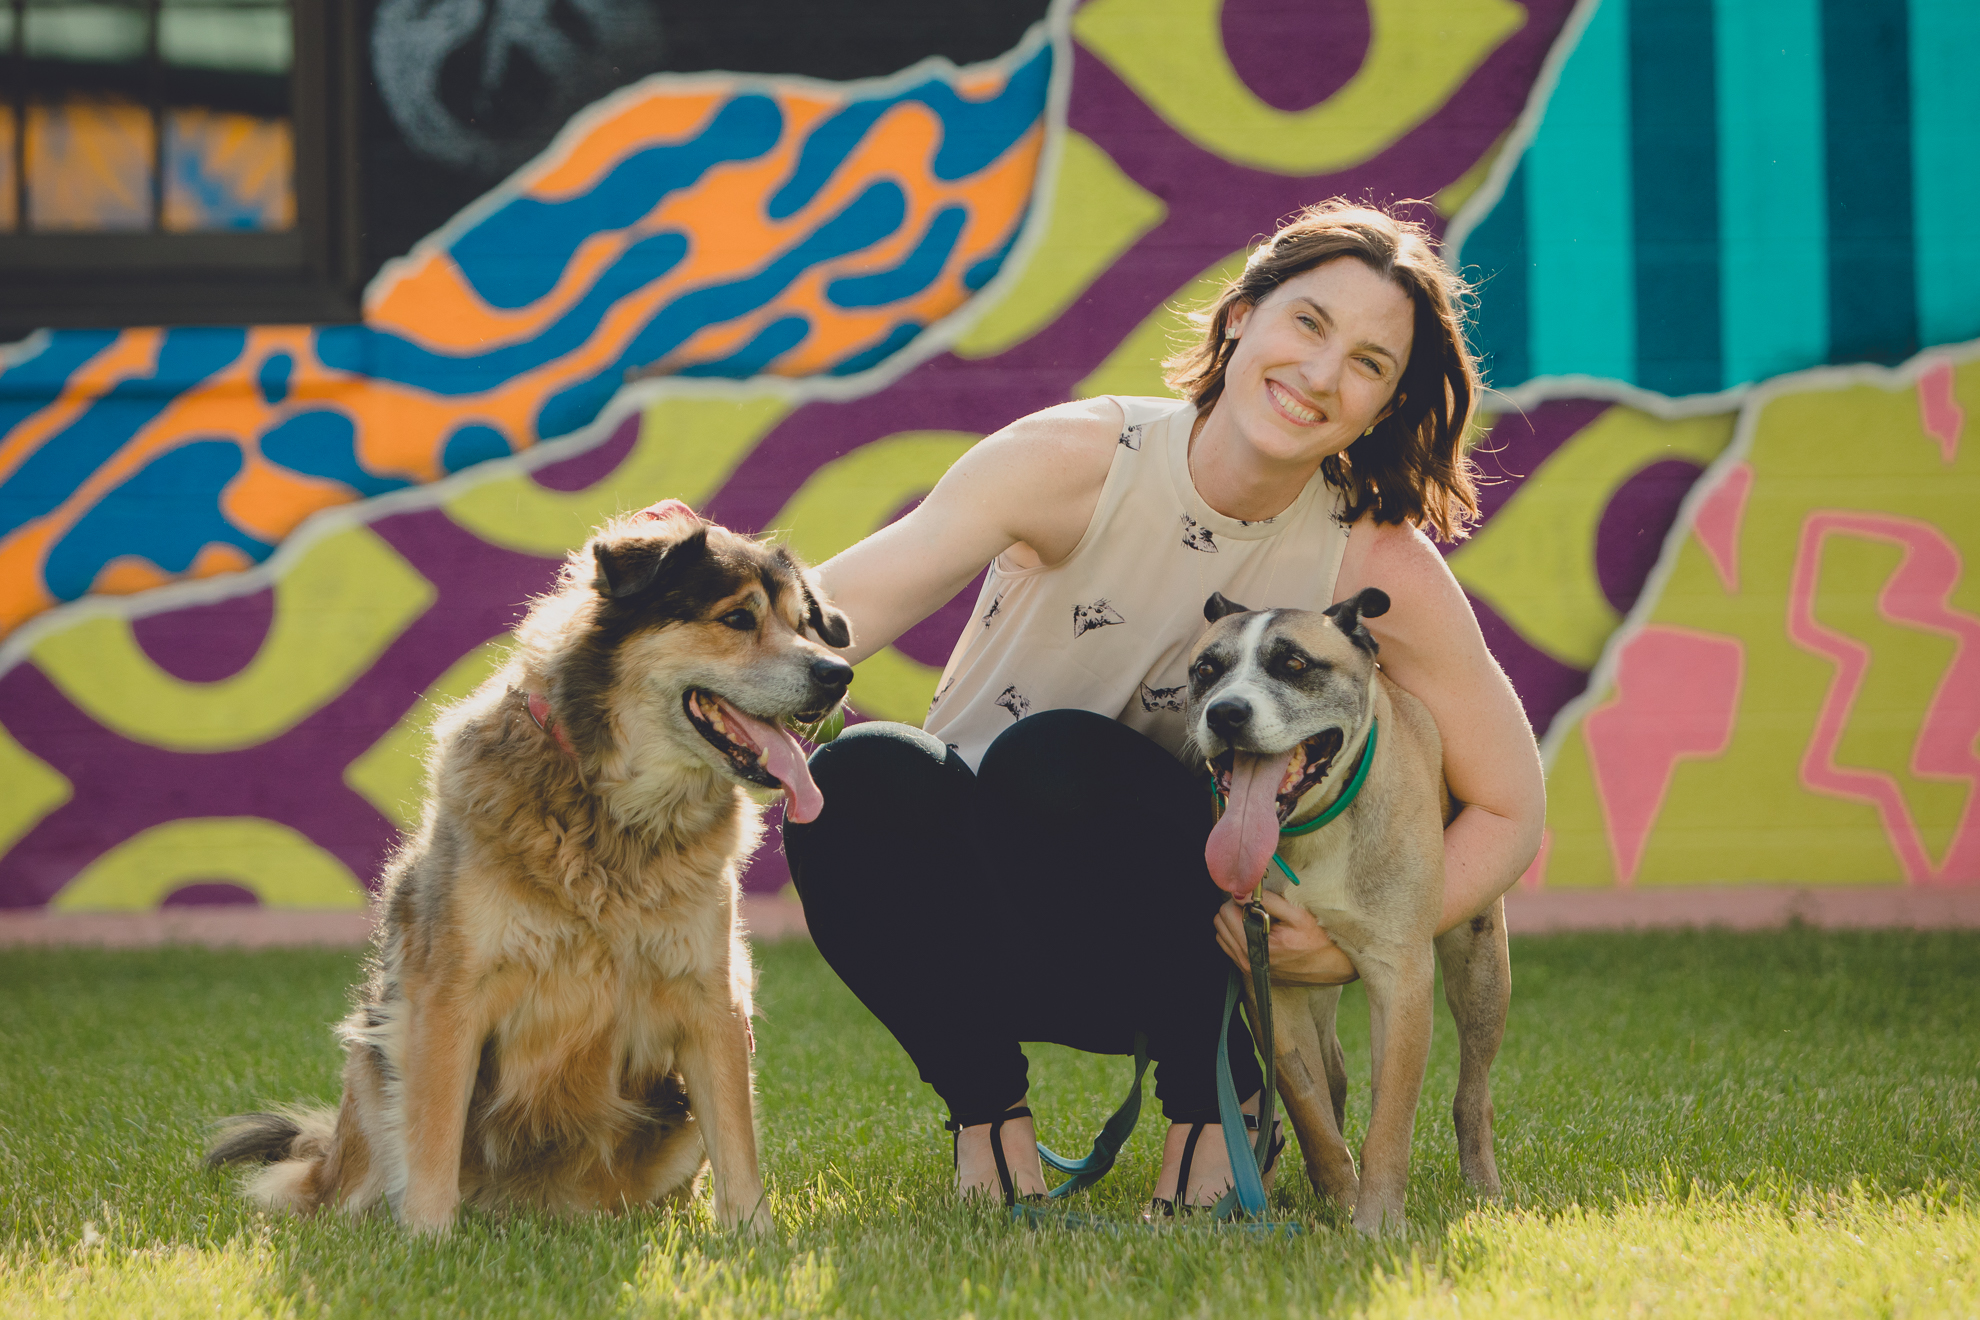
<point>783,758</point>
<point>1241,846</point>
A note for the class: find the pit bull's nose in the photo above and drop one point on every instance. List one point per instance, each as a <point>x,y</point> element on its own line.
<point>1228,714</point>
<point>831,672</point>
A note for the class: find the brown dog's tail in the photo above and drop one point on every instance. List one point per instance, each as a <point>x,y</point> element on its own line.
<point>294,1143</point>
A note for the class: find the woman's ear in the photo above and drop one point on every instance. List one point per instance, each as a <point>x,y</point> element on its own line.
<point>1235,322</point>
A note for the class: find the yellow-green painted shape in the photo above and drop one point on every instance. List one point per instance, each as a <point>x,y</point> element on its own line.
<point>1097,213</point>
<point>391,774</point>
<point>278,865</point>
<point>336,610</point>
<point>1746,816</point>
<point>29,789</point>
<point>1134,368</point>
<point>1535,561</point>
<point>686,448</point>
<point>850,498</point>
<point>1171,52</point>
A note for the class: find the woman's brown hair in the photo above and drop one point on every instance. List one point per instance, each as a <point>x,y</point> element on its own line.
<point>1412,468</point>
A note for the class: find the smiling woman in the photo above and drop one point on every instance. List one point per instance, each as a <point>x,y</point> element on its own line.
<point>1319,436</point>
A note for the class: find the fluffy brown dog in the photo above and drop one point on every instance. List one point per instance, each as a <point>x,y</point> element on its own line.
<point>1286,704</point>
<point>557,1010</point>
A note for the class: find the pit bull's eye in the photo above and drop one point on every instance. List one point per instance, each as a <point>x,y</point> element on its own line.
<point>1294,664</point>
<point>740,620</point>
<point>1206,670</point>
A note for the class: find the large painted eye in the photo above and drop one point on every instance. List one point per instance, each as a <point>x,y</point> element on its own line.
<point>740,620</point>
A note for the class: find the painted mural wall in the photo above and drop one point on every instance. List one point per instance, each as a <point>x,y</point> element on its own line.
<point>1729,274</point>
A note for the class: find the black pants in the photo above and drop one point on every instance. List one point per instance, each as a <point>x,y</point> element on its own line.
<point>1058,895</point>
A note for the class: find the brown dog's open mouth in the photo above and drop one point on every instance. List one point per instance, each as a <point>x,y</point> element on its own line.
<point>1305,769</point>
<point>713,718</point>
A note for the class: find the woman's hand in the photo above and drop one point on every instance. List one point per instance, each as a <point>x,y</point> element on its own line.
<point>1302,952</point>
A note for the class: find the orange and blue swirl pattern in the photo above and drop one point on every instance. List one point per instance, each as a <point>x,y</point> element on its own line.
<point>686,227</point>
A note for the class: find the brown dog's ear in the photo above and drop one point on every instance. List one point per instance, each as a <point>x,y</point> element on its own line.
<point>629,567</point>
<point>1369,603</point>
<point>831,625</point>
<point>1217,607</point>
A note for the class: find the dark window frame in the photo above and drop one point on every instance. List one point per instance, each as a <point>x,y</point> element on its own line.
<point>312,273</point>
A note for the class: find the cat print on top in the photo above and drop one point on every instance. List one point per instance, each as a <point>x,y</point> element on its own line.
<point>1015,702</point>
<point>1097,615</point>
<point>1198,537</point>
<point>1132,436</point>
<point>1168,698</point>
<point>996,603</point>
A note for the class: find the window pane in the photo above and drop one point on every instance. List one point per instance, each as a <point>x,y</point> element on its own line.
<point>89,164</point>
<point>228,171</point>
<point>247,36</point>
<point>87,31</point>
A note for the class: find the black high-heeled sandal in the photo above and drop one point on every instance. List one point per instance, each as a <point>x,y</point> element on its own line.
<point>1169,1208</point>
<point>996,1122</point>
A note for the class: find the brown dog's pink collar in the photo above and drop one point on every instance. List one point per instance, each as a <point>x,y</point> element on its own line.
<point>539,711</point>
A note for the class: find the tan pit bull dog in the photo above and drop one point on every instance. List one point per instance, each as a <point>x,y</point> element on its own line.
<point>1285,704</point>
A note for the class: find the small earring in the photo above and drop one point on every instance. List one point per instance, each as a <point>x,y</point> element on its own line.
<point>1230,332</point>
<point>1369,431</point>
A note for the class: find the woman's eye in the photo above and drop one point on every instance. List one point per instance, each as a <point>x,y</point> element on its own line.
<point>1374,367</point>
<point>740,620</point>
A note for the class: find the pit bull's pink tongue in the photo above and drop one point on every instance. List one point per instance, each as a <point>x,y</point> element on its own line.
<point>1241,846</point>
<point>783,758</point>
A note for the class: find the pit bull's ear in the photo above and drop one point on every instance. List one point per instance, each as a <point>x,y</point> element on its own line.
<point>1369,603</point>
<point>1217,607</point>
<point>1373,602</point>
<point>629,567</point>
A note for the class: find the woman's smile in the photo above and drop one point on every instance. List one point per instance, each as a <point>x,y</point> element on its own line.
<point>1292,407</point>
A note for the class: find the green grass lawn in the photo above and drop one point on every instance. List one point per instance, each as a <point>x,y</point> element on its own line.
<point>1712,1124</point>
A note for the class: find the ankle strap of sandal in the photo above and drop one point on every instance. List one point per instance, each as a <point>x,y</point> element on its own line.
<point>957,1123</point>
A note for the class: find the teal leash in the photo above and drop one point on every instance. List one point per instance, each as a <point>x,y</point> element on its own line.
<point>1113,1135</point>
<point>1245,1204</point>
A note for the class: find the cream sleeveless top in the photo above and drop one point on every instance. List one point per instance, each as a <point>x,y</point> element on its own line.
<point>1110,628</point>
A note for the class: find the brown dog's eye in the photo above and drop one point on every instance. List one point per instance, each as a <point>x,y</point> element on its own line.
<point>1206,670</point>
<point>1294,664</point>
<point>740,620</point>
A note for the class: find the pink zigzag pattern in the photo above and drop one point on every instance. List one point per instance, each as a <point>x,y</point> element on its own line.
<point>1939,410</point>
<point>1916,595</point>
<point>1718,520</point>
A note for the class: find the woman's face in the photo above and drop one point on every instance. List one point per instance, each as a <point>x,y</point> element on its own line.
<point>1317,360</point>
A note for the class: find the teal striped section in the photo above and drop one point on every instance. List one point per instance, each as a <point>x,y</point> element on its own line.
<point>1578,207</point>
<point>1773,191</point>
<point>1945,146</point>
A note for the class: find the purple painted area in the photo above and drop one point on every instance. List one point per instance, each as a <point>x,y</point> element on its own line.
<point>217,893</point>
<point>1520,442</point>
<point>594,464</point>
<point>1633,528</point>
<point>206,643</point>
<point>931,640</point>
<point>1544,684</point>
<point>1294,54</point>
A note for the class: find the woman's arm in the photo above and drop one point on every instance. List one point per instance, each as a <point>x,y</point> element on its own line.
<point>1033,486</point>
<point>1432,647</point>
